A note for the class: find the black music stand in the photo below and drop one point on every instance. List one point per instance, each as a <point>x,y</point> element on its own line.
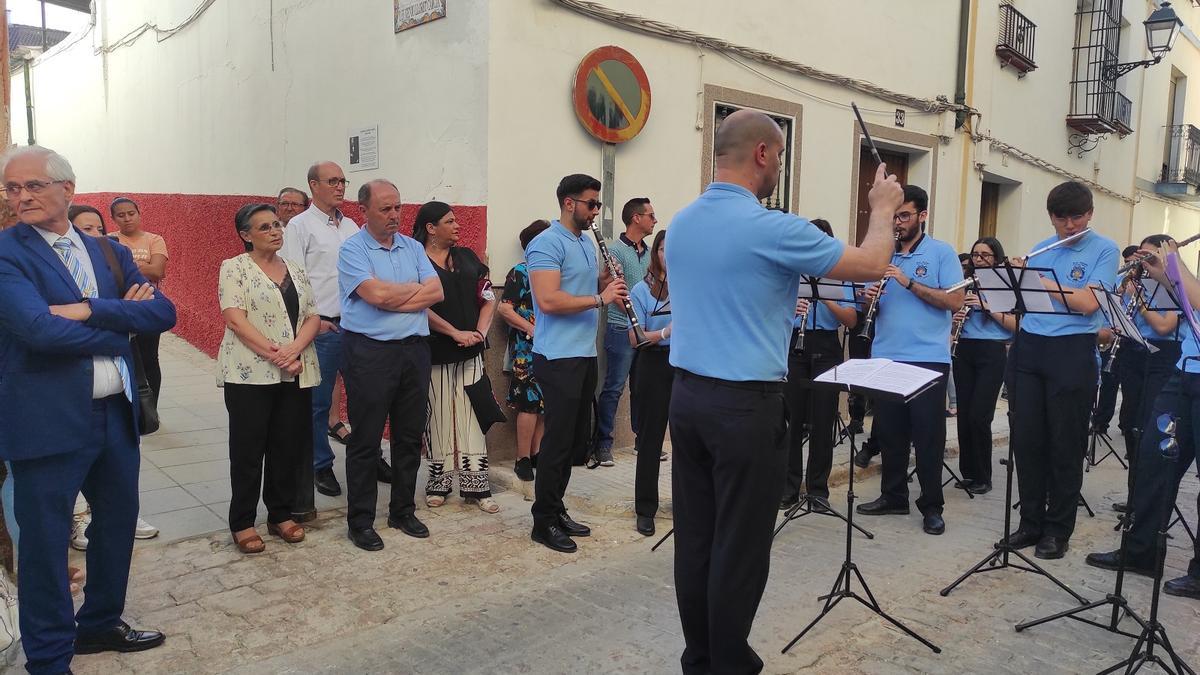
<point>841,586</point>
<point>1010,280</point>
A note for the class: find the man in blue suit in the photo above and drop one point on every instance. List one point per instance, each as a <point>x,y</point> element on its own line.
<point>69,419</point>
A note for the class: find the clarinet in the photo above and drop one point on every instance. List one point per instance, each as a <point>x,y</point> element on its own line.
<point>956,332</point>
<point>799,346</point>
<point>639,335</point>
<point>873,308</point>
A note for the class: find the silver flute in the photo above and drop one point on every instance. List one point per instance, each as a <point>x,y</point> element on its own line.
<point>639,335</point>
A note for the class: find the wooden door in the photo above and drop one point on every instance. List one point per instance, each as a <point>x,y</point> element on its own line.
<point>897,163</point>
<point>989,206</point>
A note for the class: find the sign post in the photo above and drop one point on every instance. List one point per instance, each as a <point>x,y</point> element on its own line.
<point>612,101</point>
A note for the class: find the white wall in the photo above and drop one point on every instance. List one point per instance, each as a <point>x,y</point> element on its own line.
<point>203,112</point>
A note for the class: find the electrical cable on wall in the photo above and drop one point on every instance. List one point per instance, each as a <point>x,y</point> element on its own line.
<point>160,34</point>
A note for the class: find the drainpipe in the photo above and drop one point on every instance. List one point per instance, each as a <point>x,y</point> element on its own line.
<point>960,80</point>
<point>29,97</point>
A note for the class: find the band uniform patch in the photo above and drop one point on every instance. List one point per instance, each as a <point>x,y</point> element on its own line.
<point>1078,270</point>
<point>922,271</point>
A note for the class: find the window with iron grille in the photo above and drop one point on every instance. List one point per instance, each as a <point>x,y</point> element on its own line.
<point>781,199</point>
<point>1096,105</point>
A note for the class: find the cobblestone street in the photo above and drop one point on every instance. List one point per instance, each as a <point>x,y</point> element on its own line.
<point>478,596</point>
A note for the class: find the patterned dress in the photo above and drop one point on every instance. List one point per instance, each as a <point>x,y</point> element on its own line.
<point>524,395</point>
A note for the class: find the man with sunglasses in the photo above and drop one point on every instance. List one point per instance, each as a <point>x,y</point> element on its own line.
<point>569,289</point>
<point>1052,368</point>
<point>913,326</point>
<point>313,239</point>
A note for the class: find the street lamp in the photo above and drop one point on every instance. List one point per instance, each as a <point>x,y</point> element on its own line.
<point>1162,27</point>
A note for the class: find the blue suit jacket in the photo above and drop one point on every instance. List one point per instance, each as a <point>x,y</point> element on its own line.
<point>46,361</point>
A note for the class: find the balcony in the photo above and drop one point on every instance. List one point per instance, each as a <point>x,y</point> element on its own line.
<point>1100,109</point>
<point>1180,177</point>
<point>1015,45</point>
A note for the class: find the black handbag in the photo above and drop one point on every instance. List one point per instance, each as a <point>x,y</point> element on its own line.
<point>147,404</point>
<point>483,402</point>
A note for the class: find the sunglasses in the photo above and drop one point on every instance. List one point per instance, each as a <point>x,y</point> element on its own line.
<point>592,204</point>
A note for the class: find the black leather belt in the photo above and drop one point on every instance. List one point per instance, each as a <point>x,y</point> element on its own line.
<point>331,319</point>
<point>748,385</point>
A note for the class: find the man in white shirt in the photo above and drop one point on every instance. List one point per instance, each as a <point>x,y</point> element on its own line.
<point>313,239</point>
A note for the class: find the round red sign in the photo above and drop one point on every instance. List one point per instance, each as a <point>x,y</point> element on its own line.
<point>612,94</point>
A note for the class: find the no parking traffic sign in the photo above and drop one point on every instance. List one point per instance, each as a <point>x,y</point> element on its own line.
<point>612,94</point>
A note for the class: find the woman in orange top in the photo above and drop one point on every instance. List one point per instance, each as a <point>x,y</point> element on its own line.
<point>150,253</point>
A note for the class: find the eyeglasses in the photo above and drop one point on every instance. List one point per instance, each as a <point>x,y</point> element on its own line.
<point>33,187</point>
<point>904,216</point>
<point>653,218</point>
<point>982,256</point>
<point>335,182</point>
<point>292,205</point>
<point>592,204</point>
<point>267,227</point>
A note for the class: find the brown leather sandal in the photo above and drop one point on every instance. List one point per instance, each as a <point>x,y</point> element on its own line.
<point>250,544</point>
<point>292,534</point>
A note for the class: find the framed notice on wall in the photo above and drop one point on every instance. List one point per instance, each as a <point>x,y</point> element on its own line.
<point>413,13</point>
<point>364,148</point>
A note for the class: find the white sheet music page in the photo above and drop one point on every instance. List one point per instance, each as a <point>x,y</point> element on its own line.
<point>996,295</point>
<point>880,374</point>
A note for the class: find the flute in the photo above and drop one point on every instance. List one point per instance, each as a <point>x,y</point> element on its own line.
<point>1049,247</point>
<point>873,308</point>
<point>1141,258</point>
<point>639,335</point>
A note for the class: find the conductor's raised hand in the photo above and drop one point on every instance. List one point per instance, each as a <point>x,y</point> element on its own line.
<point>886,192</point>
<point>615,291</point>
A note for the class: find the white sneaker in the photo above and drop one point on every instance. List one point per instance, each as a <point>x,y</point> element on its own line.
<point>79,540</point>
<point>144,530</point>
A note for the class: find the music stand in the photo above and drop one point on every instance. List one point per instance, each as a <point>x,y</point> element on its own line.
<point>841,586</point>
<point>1010,290</point>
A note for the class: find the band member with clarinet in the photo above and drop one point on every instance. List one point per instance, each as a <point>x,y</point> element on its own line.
<point>1142,374</point>
<point>565,278</point>
<point>652,386</point>
<point>1052,368</point>
<point>914,327</point>
<point>815,349</point>
<point>979,357</point>
<point>732,307</point>
<point>1180,398</point>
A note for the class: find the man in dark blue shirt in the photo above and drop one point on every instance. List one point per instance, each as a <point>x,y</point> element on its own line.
<point>732,307</point>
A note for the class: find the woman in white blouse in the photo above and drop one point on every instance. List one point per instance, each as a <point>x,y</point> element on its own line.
<point>268,366</point>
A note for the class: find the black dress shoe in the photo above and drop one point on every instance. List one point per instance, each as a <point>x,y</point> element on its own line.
<point>862,458</point>
<point>788,502</point>
<point>978,487</point>
<point>383,472</point>
<point>366,538</point>
<point>964,484</point>
<point>553,538</point>
<point>327,483</point>
<point>855,427</point>
<point>1112,561</point>
<point>1023,538</point>
<point>1184,587</point>
<point>933,523</point>
<point>409,525</point>
<point>120,638</point>
<point>645,525</point>
<point>1051,548</point>
<point>1119,507</point>
<point>819,504</point>
<point>882,507</point>
<point>572,528</point>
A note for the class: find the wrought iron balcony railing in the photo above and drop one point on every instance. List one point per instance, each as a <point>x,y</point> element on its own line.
<point>1183,155</point>
<point>1015,44</point>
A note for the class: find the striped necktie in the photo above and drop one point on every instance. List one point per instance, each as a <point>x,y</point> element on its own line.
<point>64,249</point>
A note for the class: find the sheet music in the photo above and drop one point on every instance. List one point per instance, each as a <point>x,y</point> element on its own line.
<point>1157,298</point>
<point>880,374</point>
<point>1111,307</point>
<point>826,289</point>
<point>995,290</point>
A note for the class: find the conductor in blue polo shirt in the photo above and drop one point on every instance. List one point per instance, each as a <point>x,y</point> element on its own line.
<point>569,288</point>
<point>913,326</point>
<point>1053,368</point>
<point>386,283</point>
<point>732,307</point>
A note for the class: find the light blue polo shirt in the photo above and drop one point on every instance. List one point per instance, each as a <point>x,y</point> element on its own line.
<point>1090,260</point>
<point>981,326</point>
<point>733,268</point>
<point>360,259</point>
<point>1189,359</point>
<point>907,328</point>
<point>645,305</point>
<point>820,317</point>
<point>563,336</point>
<point>1148,331</point>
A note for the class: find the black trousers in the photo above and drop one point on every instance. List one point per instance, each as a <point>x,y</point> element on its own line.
<point>978,376</point>
<point>568,387</point>
<point>1053,382</point>
<point>920,422</point>
<point>1106,399</point>
<point>1155,476</point>
<point>385,382</point>
<point>263,430</point>
<point>728,439</point>
<point>652,396</point>
<point>1160,367</point>
<point>147,345</point>
<point>812,411</point>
